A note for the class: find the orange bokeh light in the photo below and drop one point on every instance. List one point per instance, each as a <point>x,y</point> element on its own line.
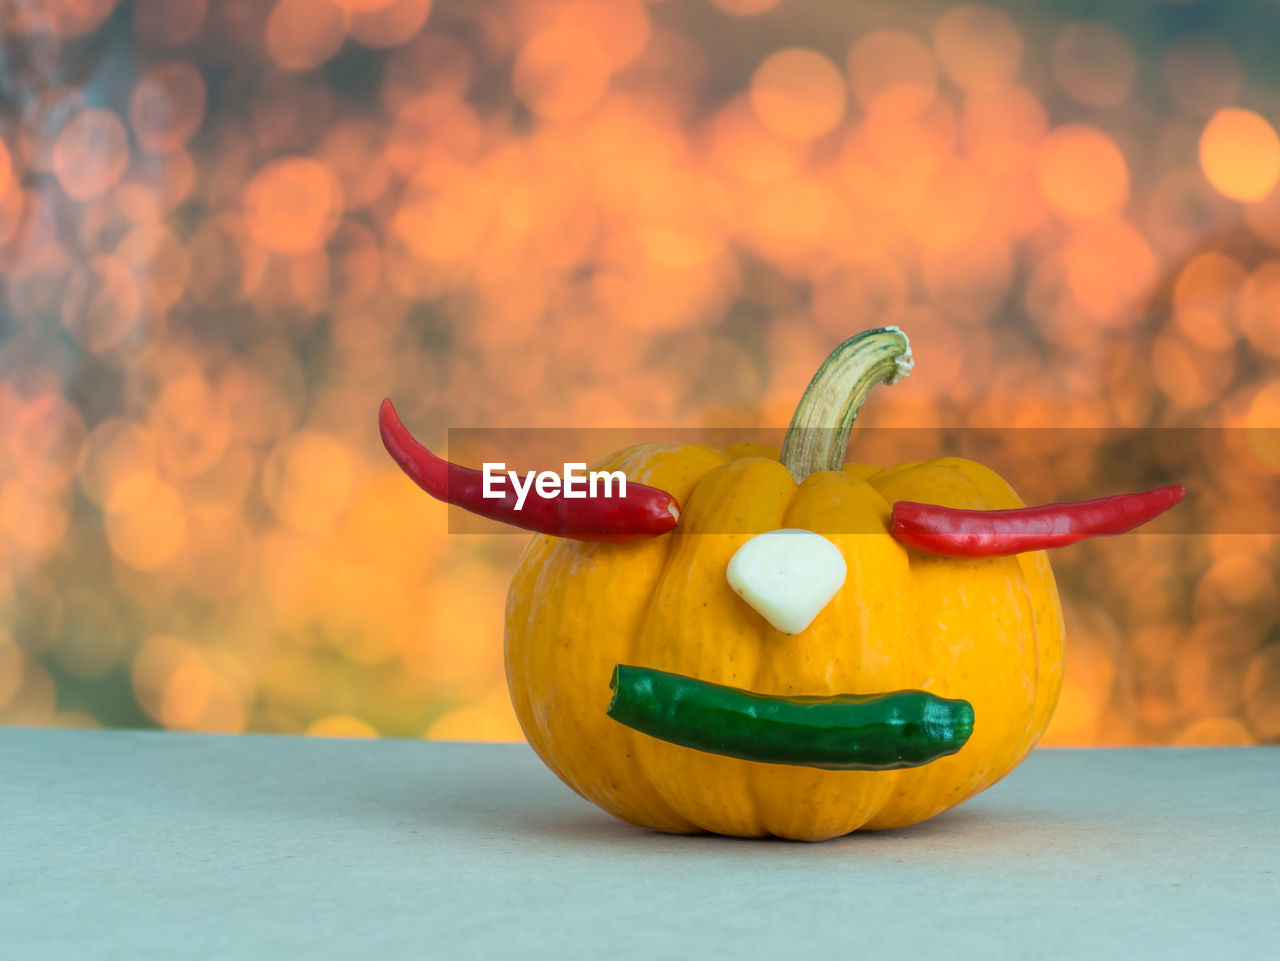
<point>1111,271</point>
<point>491,718</point>
<point>1190,375</point>
<point>1208,281</point>
<point>190,432</point>
<point>307,481</point>
<point>431,650</point>
<point>11,668</point>
<point>218,555</point>
<point>177,684</point>
<point>73,18</point>
<point>362,6</point>
<point>90,154</point>
<point>432,135</point>
<point>1240,154</point>
<point>561,73</point>
<point>12,206</point>
<point>1214,732</point>
<point>860,295</point>
<point>1082,173</point>
<point>145,521</point>
<point>620,27</point>
<point>968,281</point>
<point>745,8</point>
<point>789,223</point>
<point>6,171</point>
<point>341,725</point>
<point>1089,674</point>
<point>978,47</point>
<point>292,205</point>
<point>46,441</point>
<point>33,520</point>
<point>386,23</point>
<point>906,157</point>
<point>1262,691</point>
<point>302,34</point>
<point>892,71</point>
<point>115,447</point>
<point>797,93</point>
<point>596,212</point>
<point>953,210</point>
<point>745,150</point>
<point>101,303</point>
<point>1258,307</point>
<point>160,266</point>
<point>1204,299</point>
<point>167,106</point>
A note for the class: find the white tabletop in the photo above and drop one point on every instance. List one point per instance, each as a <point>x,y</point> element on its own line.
<point>139,845</point>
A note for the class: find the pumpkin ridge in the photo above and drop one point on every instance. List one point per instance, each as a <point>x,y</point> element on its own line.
<point>1030,736</point>
<point>635,739</point>
<point>1030,564</point>
<point>813,804</point>
<point>770,635</point>
<point>909,643</point>
<point>696,784</point>
<point>1008,733</point>
<point>557,660</point>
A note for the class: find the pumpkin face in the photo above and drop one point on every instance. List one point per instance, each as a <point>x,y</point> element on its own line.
<point>986,630</point>
<point>812,647</point>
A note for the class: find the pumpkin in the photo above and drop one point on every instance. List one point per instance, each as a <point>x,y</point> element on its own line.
<point>988,630</point>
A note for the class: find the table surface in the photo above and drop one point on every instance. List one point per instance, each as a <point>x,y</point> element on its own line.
<point>137,845</point>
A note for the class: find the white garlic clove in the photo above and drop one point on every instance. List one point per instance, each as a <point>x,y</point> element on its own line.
<point>787,575</point>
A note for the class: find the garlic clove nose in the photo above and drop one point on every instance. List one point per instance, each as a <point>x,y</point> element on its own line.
<point>787,575</point>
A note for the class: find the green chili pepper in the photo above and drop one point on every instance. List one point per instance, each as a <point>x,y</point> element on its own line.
<point>842,732</point>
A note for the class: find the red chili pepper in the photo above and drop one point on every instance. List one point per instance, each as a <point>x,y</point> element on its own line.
<point>968,533</point>
<point>642,512</point>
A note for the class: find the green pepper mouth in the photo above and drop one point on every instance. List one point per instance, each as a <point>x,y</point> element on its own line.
<point>841,732</point>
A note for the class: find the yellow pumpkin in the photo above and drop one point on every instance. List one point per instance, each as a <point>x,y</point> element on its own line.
<point>986,630</point>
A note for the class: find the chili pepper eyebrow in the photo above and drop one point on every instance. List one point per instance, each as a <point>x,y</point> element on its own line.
<point>641,512</point>
<point>950,532</point>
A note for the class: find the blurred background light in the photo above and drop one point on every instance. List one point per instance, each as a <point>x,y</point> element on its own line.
<point>228,228</point>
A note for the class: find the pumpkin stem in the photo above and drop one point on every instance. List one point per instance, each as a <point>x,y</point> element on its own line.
<point>819,433</point>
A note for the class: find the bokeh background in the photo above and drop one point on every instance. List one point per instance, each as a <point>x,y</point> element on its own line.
<point>228,228</point>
